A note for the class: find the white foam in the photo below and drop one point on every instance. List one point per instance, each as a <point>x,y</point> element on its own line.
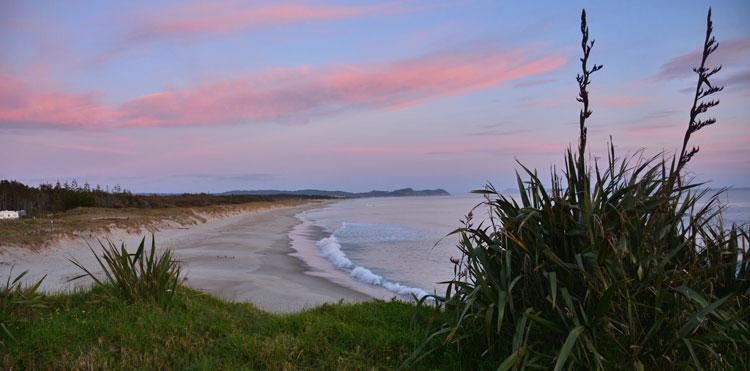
<point>404,290</point>
<point>365,275</point>
<point>330,249</point>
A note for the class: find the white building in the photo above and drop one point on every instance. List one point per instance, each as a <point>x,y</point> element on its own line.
<point>7,214</point>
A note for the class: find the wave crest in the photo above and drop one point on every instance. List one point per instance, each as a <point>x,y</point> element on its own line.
<point>330,249</point>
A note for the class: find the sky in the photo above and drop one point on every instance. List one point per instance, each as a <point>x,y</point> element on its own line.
<point>210,96</point>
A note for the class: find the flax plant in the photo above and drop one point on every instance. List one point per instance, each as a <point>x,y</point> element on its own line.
<point>625,266</point>
<point>13,295</point>
<point>138,276</point>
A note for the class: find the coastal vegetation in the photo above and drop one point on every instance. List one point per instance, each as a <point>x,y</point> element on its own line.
<point>60,197</point>
<point>13,296</point>
<point>48,198</point>
<point>625,265</point>
<point>141,275</point>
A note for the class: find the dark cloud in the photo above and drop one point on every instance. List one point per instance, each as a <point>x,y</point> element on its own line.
<point>729,52</point>
<point>248,177</point>
<point>656,115</point>
<point>737,81</point>
<point>529,83</point>
<point>496,132</point>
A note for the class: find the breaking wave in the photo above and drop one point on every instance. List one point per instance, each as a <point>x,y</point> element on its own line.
<point>330,249</point>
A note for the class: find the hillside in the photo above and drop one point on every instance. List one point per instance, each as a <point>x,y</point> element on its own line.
<point>404,192</point>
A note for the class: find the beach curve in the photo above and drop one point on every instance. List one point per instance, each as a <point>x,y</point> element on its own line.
<point>241,257</point>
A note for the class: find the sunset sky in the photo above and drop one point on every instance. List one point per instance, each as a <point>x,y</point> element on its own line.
<point>209,96</point>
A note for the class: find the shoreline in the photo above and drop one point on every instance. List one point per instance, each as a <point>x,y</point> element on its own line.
<point>243,257</point>
<point>306,235</point>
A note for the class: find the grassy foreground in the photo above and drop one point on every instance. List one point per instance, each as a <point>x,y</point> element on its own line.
<point>88,330</point>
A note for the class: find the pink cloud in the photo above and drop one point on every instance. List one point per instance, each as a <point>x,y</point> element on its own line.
<point>725,152</point>
<point>214,17</point>
<point>279,95</point>
<point>41,104</point>
<point>293,95</point>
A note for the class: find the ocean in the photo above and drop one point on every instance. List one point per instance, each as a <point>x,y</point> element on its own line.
<point>399,246</point>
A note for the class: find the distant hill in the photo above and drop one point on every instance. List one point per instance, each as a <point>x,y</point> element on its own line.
<point>404,192</point>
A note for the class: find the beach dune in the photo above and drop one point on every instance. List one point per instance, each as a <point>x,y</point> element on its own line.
<point>242,257</point>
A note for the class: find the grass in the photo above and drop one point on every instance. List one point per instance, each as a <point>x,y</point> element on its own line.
<point>82,331</point>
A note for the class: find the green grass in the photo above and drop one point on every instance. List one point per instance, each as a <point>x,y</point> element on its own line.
<point>90,330</point>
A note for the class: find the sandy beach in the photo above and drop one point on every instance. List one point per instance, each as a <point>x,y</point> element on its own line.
<point>241,257</point>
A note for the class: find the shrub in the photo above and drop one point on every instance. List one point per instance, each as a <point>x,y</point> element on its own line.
<point>13,296</point>
<point>629,266</point>
<point>135,276</point>
<point>71,199</point>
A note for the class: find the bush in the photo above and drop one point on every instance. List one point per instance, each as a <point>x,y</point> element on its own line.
<point>137,276</point>
<point>70,199</point>
<point>629,266</point>
<point>13,296</point>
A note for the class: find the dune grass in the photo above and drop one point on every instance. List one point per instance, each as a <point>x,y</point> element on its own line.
<point>91,330</point>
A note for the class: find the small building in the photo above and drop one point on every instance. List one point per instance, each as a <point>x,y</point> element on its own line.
<point>8,214</point>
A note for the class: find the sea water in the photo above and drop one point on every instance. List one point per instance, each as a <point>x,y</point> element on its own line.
<point>400,246</point>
